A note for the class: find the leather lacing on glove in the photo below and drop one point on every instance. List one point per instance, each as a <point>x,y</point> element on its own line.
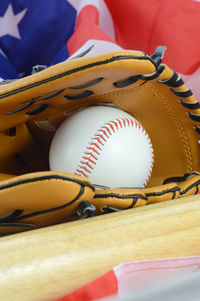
<point>172,187</point>
<point>104,200</point>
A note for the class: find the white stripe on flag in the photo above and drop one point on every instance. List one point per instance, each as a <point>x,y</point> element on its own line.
<point>95,47</point>
<point>145,274</point>
<point>105,19</point>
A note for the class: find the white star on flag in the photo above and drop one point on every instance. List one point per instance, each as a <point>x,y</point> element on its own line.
<point>9,22</point>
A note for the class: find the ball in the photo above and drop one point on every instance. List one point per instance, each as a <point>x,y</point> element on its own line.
<point>104,144</point>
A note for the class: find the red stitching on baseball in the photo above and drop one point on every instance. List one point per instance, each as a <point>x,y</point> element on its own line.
<point>95,144</point>
<point>87,163</point>
<point>94,150</point>
<point>127,121</point>
<point>116,124</point>
<point>102,137</point>
<point>91,156</point>
<point>111,126</point>
<point>80,173</point>
<point>124,121</point>
<point>90,160</point>
<point>104,132</point>
<point>84,168</point>
<point>107,129</point>
<point>98,138</point>
<point>120,123</point>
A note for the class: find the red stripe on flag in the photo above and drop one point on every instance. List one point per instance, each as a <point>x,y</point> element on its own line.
<point>143,25</point>
<point>104,286</point>
<point>87,28</point>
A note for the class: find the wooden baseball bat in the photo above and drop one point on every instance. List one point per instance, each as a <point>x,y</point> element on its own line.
<point>48,263</point>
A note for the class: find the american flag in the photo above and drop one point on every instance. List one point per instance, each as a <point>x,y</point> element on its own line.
<point>47,32</point>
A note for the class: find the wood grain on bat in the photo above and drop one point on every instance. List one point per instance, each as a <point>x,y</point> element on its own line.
<point>48,263</point>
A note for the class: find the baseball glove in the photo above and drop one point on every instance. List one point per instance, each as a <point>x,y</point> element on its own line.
<point>32,108</point>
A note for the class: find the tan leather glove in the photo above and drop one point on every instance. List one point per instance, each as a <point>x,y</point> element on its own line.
<point>33,107</point>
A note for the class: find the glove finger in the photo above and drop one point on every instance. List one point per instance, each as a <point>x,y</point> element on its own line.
<point>39,199</point>
<point>109,200</point>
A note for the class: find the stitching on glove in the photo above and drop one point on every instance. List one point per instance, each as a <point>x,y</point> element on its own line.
<point>182,93</point>
<point>120,196</point>
<point>164,191</point>
<point>78,69</point>
<point>45,178</point>
<point>108,209</point>
<point>196,185</point>
<point>31,102</point>
<point>190,105</point>
<point>88,84</point>
<point>133,79</point>
<point>182,134</point>
<point>176,81</point>
<point>38,110</point>
<point>81,95</point>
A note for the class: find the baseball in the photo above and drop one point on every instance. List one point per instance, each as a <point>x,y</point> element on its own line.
<point>104,144</point>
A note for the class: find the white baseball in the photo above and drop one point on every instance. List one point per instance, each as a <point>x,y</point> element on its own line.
<point>104,144</point>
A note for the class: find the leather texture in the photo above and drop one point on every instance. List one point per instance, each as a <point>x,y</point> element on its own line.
<point>32,108</point>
